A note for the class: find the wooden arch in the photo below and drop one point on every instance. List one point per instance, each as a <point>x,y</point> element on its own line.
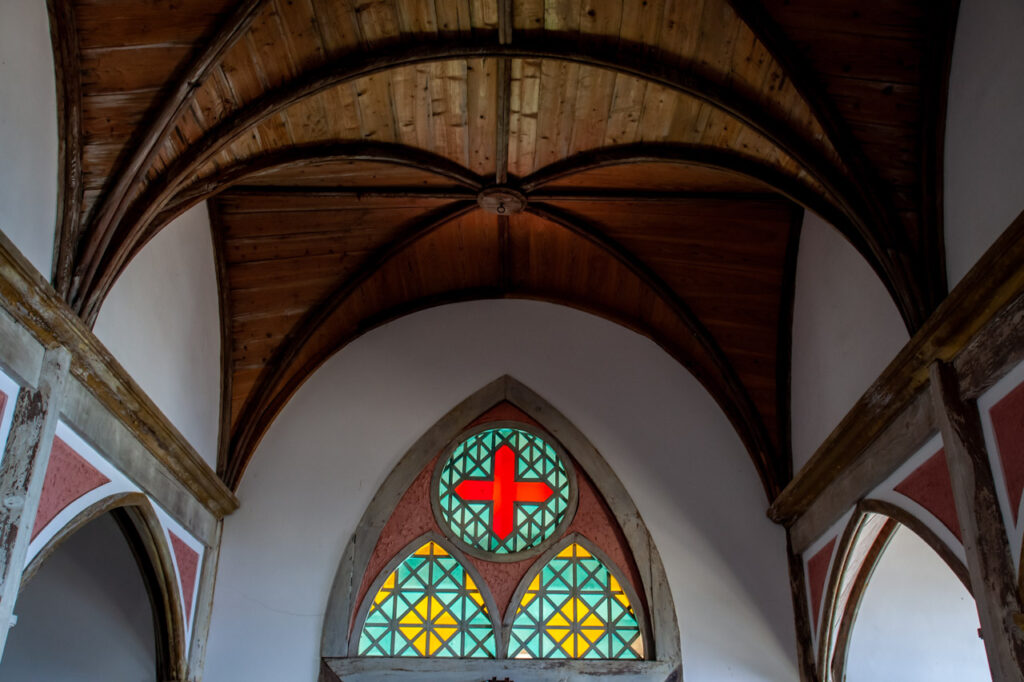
<point>144,534</point>
<point>861,548</point>
<point>119,231</point>
<point>342,317</point>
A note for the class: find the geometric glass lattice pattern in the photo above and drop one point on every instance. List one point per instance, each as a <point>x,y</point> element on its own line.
<point>503,490</point>
<point>428,607</point>
<point>575,608</point>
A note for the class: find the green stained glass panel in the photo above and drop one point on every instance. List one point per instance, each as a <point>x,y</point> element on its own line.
<point>575,608</point>
<point>428,607</point>
<point>503,490</point>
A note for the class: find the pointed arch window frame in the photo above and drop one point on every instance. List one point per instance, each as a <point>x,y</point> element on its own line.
<point>339,657</point>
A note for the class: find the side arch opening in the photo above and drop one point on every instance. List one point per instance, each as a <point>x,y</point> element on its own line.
<point>104,583</point>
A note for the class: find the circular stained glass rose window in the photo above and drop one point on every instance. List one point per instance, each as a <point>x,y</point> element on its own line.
<point>503,490</point>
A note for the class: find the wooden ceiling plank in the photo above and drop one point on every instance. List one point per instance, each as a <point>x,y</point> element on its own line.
<point>503,138</point>
<point>123,186</point>
<point>524,107</point>
<point>482,114</point>
<point>338,25</point>
<point>151,204</point>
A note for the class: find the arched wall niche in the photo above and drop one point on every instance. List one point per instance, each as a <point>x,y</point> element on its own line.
<point>662,634</point>
<point>861,548</point>
<point>143,532</point>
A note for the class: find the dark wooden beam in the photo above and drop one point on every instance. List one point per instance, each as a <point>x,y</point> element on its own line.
<point>357,192</point>
<point>217,235</point>
<point>588,194</point>
<point>784,349</point>
<point>941,18</point>
<point>994,283</point>
<point>801,615</point>
<point>503,134</point>
<point>131,176</point>
<point>70,186</point>
<point>722,381</point>
<point>102,265</point>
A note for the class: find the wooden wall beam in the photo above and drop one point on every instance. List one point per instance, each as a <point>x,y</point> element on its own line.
<point>34,304</point>
<point>25,458</point>
<point>989,563</point>
<point>994,285</point>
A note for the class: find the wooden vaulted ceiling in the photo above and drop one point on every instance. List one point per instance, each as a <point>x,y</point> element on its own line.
<point>653,159</point>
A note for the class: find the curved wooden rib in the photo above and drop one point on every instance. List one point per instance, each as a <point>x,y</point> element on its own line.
<point>250,424</point>
<point>132,174</point>
<point>380,152</point>
<point>736,403</point>
<point>101,266</point>
<point>704,358</point>
<point>735,162</point>
<point>64,36</point>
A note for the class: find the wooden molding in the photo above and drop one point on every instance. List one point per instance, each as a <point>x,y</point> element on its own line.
<point>30,300</point>
<point>995,281</point>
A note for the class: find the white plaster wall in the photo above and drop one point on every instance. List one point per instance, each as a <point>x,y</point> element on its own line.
<point>917,622</point>
<point>335,442</point>
<point>28,131</point>
<point>85,616</point>
<point>984,164</point>
<point>846,329</point>
<point>161,321</point>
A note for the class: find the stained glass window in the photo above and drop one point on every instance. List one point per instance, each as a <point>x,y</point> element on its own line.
<point>503,490</point>
<point>575,608</point>
<point>428,607</point>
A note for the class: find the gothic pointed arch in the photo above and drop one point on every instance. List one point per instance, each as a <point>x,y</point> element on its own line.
<point>497,492</point>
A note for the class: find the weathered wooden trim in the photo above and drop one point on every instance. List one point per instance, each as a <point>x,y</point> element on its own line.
<point>736,401</point>
<point>836,657</point>
<point>926,534</point>
<point>804,631</point>
<point>995,282</point>
<point>102,267</point>
<point>990,565</point>
<point>22,471</point>
<point>90,419</point>
<point>262,406</point>
<point>84,518</point>
<point>474,670</point>
<point>880,460</point>
<point>145,536</point>
<point>663,645</point>
<point>132,175</point>
<point>35,305</point>
<point>21,355</point>
<point>70,186</point>
<point>204,606</point>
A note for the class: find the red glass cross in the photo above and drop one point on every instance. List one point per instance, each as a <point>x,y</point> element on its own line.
<point>504,491</point>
